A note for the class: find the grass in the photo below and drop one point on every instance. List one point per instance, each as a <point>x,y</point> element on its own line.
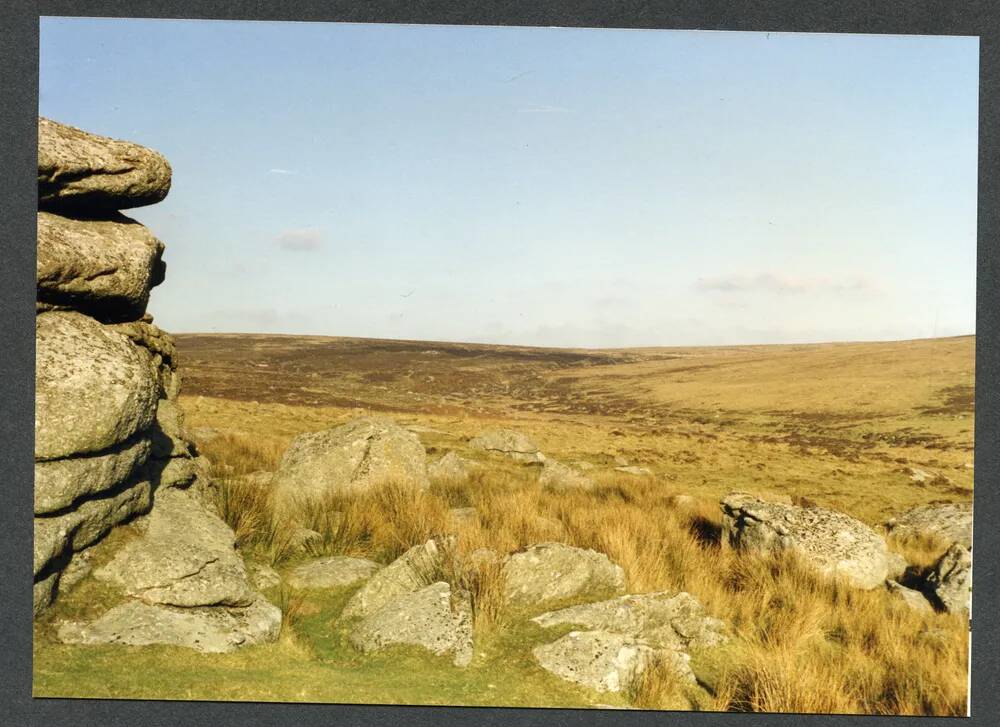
<point>836,426</point>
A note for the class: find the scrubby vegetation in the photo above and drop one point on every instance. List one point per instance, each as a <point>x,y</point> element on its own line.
<point>803,644</point>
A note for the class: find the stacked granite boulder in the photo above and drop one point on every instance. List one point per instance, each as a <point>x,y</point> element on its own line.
<point>109,436</point>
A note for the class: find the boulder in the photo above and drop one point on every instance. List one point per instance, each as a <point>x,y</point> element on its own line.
<point>58,536</point>
<point>951,522</point>
<point>79,171</point>
<point>432,618</point>
<point>598,660</point>
<point>61,482</point>
<point>351,458</point>
<point>548,573</point>
<point>950,582</point>
<point>416,568</point>
<point>558,477</point>
<point>835,544</point>
<point>336,572</point>
<point>103,267</point>
<point>509,443</point>
<point>93,388</point>
<point>914,599</point>
<point>185,557</point>
<point>209,630</point>
<point>452,467</point>
<point>263,576</point>
<point>665,620</point>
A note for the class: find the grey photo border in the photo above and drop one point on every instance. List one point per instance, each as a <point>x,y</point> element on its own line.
<point>19,78</point>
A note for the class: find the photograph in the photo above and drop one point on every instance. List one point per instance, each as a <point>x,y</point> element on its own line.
<point>504,366</point>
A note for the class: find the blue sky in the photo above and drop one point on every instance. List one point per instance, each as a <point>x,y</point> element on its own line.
<point>542,186</point>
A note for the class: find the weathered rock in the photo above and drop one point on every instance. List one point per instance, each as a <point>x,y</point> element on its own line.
<point>185,557</point>
<point>665,620</point>
<point>450,467</point>
<point>335,572</point>
<point>103,267</point>
<point>169,437</point>
<point>82,171</point>
<point>558,477</point>
<point>43,592</point>
<point>597,660</point>
<point>416,568</point>
<point>509,443</point>
<point>60,535</point>
<point>350,458</point>
<point>897,566</point>
<point>547,573</point>
<point>914,599</point>
<point>61,482</point>
<point>835,544</point>
<point>174,472</point>
<point>950,522</point>
<point>430,618</point>
<point>93,388</point>
<point>305,540</point>
<point>263,576</point>
<point>950,582</point>
<point>209,630</point>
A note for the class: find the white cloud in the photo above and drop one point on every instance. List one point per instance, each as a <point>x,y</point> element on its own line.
<point>306,239</point>
<point>781,284</point>
<point>280,171</point>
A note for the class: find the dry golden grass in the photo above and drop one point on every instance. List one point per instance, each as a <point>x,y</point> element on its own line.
<point>803,644</point>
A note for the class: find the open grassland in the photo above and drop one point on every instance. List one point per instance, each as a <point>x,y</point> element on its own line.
<point>869,429</point>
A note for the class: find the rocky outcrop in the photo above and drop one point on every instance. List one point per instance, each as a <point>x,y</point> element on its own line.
<point>109,437</point>
<point>557,477</point>
<point>835,544</point>
<point>433,618</point>
<point>950,522</point>
<point>950,581</point>
<point>548,573</point>
<point>508,443</point>
<point>339,571</point>
<point>351,458</point>
<point>81,172</point>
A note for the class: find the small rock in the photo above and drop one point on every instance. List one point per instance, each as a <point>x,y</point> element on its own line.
<point>557,477</point>
<point>913,599</point>
<point>451,467</point>
<point>950,582</point>
<point>416,568</point>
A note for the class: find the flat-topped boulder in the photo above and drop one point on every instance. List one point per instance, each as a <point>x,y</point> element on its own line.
<point>206,629</point>
<point>61,482</point>
<point>184,557</point>
<point>104,267</point>
<point>509,443</point>
<point>950,582</point>
<point>558,477</point>
<point>93,388</point>
<point>548,573</point>
<point>665,620</point>
<point>416,568</point>
<point>835,544</point>
<point>339,571</point>
<point>434,618</point>
<point>354,457</point>
<point>949,522</point>
<point>79,171</point>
